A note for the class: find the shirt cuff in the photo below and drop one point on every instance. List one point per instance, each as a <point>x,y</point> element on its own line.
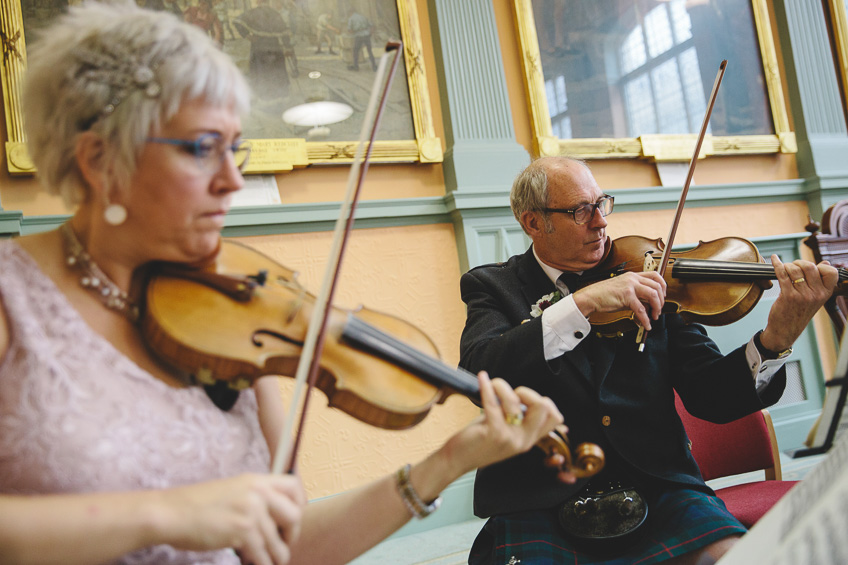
<point>563,327</point>
<point>761,369</point>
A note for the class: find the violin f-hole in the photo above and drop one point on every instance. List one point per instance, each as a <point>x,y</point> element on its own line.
<point>258,342</point>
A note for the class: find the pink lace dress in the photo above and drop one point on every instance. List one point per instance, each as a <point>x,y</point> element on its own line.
<point>76,415</point>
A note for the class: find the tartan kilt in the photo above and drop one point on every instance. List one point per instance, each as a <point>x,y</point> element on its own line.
<point>679,521</point>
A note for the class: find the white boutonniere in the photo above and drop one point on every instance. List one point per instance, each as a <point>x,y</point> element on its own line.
<point>547,300</point>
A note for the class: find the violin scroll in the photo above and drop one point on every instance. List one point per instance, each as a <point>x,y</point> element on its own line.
<point>587,460</point>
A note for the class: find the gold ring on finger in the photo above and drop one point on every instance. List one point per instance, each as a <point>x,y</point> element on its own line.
<point>514,419</point>
<point>799,281</point>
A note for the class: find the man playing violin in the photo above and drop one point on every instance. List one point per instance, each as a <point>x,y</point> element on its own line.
<point>527,321</point>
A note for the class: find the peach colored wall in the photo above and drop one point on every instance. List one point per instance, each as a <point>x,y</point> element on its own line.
<point>754,220</point>
<point>26,195</point>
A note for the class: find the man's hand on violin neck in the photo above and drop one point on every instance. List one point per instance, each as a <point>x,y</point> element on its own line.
<point>804,288</point>
<point>642,293</point>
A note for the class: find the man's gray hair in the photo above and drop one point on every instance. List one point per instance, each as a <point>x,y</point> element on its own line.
<point>119,71</point>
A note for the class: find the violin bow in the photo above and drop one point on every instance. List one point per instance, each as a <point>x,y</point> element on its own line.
<point>642,335</point>
<point>313,346</point>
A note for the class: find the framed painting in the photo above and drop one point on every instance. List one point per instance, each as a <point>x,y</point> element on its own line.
<point>295,53</point>
<point>631,78</point>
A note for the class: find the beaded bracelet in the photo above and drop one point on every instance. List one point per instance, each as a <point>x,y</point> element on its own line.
<point>413,502</point>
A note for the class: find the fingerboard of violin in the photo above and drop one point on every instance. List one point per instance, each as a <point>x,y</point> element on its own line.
<point>703,269</point>
<point>720,270</point>
<point>375,341</point>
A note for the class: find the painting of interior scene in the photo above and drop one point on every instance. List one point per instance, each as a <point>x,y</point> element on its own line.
<point>626,68</point>
<point>294,52</point>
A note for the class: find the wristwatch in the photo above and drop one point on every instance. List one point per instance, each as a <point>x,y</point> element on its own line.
<point>768,353</point>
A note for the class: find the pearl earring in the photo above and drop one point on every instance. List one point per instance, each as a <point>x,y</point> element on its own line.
<point>115,214</point>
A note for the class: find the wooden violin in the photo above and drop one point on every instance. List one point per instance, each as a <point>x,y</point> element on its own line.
<point>715,283</point>
<point>245,316</point>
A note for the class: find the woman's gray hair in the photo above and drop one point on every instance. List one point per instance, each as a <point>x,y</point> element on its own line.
<point>119,71</point>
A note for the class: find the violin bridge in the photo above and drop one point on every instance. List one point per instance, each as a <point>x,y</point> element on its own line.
<point>650,264</point>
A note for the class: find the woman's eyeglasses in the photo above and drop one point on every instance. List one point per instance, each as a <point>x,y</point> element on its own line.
<point>209,150</point>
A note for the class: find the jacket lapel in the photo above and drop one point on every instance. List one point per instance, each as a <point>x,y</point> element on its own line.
<point>535,283</point>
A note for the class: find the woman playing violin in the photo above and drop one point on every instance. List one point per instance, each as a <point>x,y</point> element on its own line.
<point>105,454</point>
<point>532,328</point>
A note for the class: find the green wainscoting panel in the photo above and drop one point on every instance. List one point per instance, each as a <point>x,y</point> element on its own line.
<point>488,239</point>
<point>10,223</point>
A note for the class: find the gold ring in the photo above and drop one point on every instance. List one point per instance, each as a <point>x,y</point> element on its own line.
<point>796,281</point>
<point>514,419</point>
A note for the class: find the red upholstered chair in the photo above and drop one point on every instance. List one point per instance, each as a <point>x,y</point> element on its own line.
<point>742,446</point>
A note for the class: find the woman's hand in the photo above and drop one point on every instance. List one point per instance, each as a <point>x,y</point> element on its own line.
<point>257,515</point>
<point>512,422</point>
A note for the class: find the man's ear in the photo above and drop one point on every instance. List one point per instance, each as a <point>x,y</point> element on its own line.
<point>90,159</point>
<point>532,222</point>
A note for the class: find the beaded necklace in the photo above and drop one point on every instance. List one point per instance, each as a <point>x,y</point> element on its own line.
<point>93,278</point>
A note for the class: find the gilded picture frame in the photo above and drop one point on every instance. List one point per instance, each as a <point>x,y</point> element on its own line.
<point>272,154</point>
<point>654,147</point>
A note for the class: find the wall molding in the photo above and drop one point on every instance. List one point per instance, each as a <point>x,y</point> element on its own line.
<point>458,207</point>
<point>10,222</point>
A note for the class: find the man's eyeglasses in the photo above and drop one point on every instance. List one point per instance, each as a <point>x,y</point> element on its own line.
<point>209,150</point>
<point>584,214</point>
